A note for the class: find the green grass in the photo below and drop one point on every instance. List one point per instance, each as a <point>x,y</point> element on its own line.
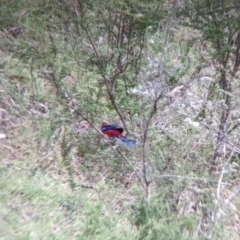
<point>57,184</point>
<point>36,206</point>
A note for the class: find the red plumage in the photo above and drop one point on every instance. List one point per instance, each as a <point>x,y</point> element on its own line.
<point>113,133</point>
<point>112,130</point>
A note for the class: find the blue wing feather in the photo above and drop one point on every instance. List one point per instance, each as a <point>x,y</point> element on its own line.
<point>111,127</point>
<point>126,141</point>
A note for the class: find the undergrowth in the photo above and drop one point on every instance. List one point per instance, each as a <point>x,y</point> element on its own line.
<point>69,65</point>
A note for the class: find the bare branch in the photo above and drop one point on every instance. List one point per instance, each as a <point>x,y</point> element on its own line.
<point>187,178</point>
<point>224,170</point>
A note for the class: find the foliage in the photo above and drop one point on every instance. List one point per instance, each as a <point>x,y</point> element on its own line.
<point>167,72</point>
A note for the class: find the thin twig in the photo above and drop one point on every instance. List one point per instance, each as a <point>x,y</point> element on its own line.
<point>113,78</point>
<point>184,178</point>
<point>232,196</point>
<point>151,114</point>
<point>135,171</point>
<point>224,170</point>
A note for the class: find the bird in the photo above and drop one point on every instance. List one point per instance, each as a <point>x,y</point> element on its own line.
<point>115,132</point>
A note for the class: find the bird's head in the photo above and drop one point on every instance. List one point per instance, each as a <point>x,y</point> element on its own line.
<point>104,124</point>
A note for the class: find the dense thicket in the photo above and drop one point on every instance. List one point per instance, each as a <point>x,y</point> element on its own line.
<point>167,71</point>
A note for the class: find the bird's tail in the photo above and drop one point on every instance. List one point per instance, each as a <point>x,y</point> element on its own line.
<point>126,141</point>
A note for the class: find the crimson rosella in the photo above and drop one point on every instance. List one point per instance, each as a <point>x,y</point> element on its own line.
<point>114,131</point>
